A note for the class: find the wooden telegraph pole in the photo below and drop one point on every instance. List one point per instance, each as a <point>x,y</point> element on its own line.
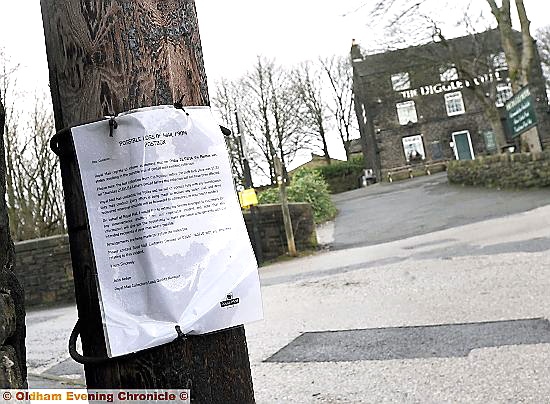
<point>105,57</point>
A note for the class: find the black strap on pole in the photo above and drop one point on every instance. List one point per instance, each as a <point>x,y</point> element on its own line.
<point>86,360</point>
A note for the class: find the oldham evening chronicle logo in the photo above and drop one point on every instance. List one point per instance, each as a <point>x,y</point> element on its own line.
<point>229,301</point>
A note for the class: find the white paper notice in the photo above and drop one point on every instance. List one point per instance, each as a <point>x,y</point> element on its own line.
<point>169,239</point>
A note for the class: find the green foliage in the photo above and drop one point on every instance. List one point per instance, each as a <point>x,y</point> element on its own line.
<point>270,195</point>
<point>342,176</point>
<point>307,186</point>
<point>352,167</point>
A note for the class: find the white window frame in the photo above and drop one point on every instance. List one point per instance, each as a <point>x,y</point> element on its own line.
<point>400,81</point>
<point>448,73</point>
<point>499,61</point>
<point>455,149</point>
<point>405,117</point>
<point>451,97</point>
<point>419,140</point>
<point>503,88</point>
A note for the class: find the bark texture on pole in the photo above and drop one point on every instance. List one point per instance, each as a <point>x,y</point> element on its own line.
<point>108,56</point>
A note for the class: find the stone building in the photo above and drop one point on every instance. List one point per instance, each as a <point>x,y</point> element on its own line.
<point>425,104</point>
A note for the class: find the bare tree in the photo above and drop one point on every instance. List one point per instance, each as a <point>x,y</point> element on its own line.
<point>33,184</point>
<point>271,117</point>
<point>225,101</point>
<point>309,86</point>
<point>543,42</point>
<point>398,24</point>
<point>519,55</point>
<point>474,58</point>
<point>256,114</point>
<point>6,244</point>
<point>287,111</point>
<point>339,73</point>
<point>9,285</point>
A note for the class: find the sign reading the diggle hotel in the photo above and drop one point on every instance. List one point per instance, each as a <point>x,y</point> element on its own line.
<point>453,85</point>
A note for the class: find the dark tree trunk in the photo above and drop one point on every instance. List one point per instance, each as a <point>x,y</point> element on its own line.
<point>108,56</point>
<point>325,145</point>
<point>12,307</point>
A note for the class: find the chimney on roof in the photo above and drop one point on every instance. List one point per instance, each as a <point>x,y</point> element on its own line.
<point>356,55</point>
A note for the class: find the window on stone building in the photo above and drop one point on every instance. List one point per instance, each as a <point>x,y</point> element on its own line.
<point>504,93</point>
<point>406,112</point>
<point>490,141</point>
<point>499,61</point>
<point>413,147</point>
<point>454,103</point>
<point>437,150</point>
<point>448,73</point>
<point>400,81</point>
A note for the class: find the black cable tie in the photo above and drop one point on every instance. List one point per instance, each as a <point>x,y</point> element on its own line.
<point>225,131</point>
<point>181,335</point>
<point>112,125</point>
<point>179,105</point>
<point>56,140</point>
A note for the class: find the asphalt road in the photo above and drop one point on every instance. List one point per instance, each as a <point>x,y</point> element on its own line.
<point>455,315</point>
<point>387,212</point>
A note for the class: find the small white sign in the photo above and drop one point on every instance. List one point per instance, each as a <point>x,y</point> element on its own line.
<point>169,240</point>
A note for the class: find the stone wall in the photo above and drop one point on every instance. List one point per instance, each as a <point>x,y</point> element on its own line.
<point>44,269</point>
<point>521,170</point>
<point>44,265</point>
<point>343,183</point>
<point>272,229</point>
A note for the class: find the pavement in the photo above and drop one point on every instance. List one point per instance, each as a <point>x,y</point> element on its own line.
<point>48,362</point>
<point>423,281</point>
<point>458,314</point>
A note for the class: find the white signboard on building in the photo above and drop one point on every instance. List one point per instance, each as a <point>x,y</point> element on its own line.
<point>169,240</point>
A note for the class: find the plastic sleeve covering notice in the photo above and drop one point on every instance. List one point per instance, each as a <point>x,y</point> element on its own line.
<point>169,240</point>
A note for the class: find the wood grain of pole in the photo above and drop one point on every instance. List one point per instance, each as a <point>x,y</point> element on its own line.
<point>105,57</point>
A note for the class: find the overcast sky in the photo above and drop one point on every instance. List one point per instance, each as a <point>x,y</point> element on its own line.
<point>233,33</point>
